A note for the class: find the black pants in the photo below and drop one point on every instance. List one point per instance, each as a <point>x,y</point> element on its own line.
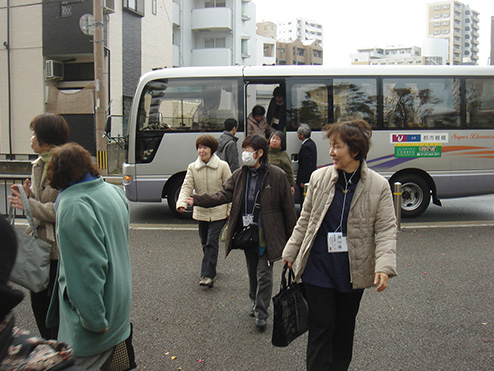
<point>209,232</point>
<point>40,302</point>
<point>331,327</point>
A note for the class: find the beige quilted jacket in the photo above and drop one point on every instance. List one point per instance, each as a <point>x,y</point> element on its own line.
<point>371,228</point>
<point>205,178</point>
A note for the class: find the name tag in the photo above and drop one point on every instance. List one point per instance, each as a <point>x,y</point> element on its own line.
<point>276,121</point>
<point>247,220</point>
<point>336,242</point>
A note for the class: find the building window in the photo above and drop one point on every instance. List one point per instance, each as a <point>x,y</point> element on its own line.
<point>445,32</point>
<point>135,6</point>
<point>437,24</point>
<point>268,50</point>
<point>215,4</point>
<point>301,52</point>
<point>245,47</point>
<point>155,7</point>
<point>445,15</point>
<point>437,7</point>
<point>437,15</point>
<point>218,42</point>
<point>446,6</point>
<point>282,50</point>
<point>446,23</point>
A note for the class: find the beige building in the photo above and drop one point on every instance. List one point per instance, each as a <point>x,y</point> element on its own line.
<point>456,22</point>
<point>266,29</point>
<point>297,52</point>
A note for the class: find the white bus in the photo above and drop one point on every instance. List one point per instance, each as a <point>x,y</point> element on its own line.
<point>433,127</point>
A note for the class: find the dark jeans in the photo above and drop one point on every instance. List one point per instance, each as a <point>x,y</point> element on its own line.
<point>209,232</point>
<point>331,327</point>
<point>40,303</point>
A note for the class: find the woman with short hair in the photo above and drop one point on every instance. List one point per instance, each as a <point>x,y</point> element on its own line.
<point>344,242</point>
<point>49,131</point>
<point>278,156</point>
<point>206,174</point>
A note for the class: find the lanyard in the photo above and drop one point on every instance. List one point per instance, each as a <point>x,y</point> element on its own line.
<point>345,192</point>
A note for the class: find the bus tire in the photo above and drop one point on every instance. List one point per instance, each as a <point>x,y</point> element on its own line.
<point>172,198</point>
<point>415,194</point>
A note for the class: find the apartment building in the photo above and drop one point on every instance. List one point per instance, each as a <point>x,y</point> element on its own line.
<point>214,32</point>
<point>47,63</point>
<point>299,52</point>
<point>456,22</point>
<point>267,29</point>
<point>299,28</point>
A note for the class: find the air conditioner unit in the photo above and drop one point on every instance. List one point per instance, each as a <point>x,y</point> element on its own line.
<point>108,6</point>
<point>53,70</point>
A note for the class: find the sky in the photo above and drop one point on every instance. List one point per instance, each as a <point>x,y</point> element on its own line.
<point>349,25</point>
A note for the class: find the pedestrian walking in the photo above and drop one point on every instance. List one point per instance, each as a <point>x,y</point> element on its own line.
<point>263,187</point>
<point>344,242</point>
<point>49,131</point>
<point>307,158</point>
<point>278,156</point>
<point>92,297</point>
<point>206,175</point>
<point>227,145</point>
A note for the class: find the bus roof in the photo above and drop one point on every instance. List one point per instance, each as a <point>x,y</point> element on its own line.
<point>287,71</point>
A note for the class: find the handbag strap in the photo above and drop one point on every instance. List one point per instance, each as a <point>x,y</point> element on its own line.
<point>27,211</point>
<point>287,282</point>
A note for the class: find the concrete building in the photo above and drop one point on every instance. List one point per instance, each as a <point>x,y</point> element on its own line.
<point>456,22</point>
<point>297,52</point>
<point>214,33</point>
<point>299,28</point>
<point>266,51</point>
<point>434,52</point>
<point>266,29</point>
<point>47,63</point>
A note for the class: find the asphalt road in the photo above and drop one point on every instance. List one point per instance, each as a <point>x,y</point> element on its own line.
<point>437,315</point>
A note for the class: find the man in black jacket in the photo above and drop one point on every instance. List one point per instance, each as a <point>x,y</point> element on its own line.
<point>307,158</point>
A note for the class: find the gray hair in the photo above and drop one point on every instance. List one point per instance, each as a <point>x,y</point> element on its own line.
<point>304,130</point>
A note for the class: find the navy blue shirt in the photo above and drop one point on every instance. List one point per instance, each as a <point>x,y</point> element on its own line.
<point>332,270</point>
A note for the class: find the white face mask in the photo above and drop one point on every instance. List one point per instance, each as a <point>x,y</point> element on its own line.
<point>248,158</point>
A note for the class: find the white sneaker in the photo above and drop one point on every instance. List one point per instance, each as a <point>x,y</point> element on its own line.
<point>206,281</point>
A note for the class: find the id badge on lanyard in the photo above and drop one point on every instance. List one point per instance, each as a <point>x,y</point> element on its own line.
<point>337,242</point>
<point>247,220</point>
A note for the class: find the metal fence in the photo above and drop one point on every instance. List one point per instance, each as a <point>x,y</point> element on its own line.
<point>6,180</point>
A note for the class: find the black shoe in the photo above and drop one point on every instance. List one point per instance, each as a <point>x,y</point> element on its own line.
<point>261,323</point>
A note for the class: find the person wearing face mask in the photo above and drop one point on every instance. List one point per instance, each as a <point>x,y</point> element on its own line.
<point>206,174</point>
<point>257,182</point>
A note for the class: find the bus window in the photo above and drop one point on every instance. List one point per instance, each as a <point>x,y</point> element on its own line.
<point>419,103</point>
<point>182,105</point>
<point>480,103</point>
<point>356,98</point>
<point>309,105</point>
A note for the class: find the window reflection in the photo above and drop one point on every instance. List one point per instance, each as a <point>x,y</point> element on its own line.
<point>355,98</point>
<point>480,103</point>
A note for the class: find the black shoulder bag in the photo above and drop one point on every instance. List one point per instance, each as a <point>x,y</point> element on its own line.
<point>247,238</point>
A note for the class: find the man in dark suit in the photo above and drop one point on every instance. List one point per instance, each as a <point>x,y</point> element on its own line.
<point>307,158</point>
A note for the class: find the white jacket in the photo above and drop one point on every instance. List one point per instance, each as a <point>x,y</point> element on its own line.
<point>371,227</point>
<point>204,177</point>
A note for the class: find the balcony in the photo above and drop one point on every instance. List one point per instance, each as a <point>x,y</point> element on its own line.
<point>218,19</point>
<point>212,57</point>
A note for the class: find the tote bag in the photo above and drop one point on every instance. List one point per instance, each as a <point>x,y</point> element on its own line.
<point>32,265</point>
<point>291,312</point>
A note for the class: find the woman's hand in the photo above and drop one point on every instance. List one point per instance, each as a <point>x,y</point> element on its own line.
<point>181,209</point>
<point>382,280</point>
<point>15,199</point>
<point>190,201</point>
<point>290,264</point>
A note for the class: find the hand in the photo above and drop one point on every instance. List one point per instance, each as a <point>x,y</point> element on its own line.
<point>190,201</point>
<point>290,264</point>
<point>382,280</point>
<point>181,209</point>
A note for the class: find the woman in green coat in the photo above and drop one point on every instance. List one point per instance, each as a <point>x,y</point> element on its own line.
<point>278,156</point>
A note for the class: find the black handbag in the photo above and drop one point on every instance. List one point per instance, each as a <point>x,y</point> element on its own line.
<point>291,312</point>
<point>247,238</point>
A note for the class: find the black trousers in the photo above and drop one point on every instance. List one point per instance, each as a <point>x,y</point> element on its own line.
<point>40,302</point>
<point>331,327</point>
<point>209,232</point>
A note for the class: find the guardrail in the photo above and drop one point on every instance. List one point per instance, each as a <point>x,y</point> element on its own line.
<point>6,180</point>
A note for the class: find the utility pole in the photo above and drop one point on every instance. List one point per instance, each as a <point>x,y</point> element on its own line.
<point>101,88</point>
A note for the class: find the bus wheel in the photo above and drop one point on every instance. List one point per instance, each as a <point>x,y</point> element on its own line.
<point>415,195</point>
<point>172,198</point>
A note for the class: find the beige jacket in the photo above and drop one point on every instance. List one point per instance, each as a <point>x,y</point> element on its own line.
<point>205,178</point>
<point>42,202</point>
<point>371,228</point>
